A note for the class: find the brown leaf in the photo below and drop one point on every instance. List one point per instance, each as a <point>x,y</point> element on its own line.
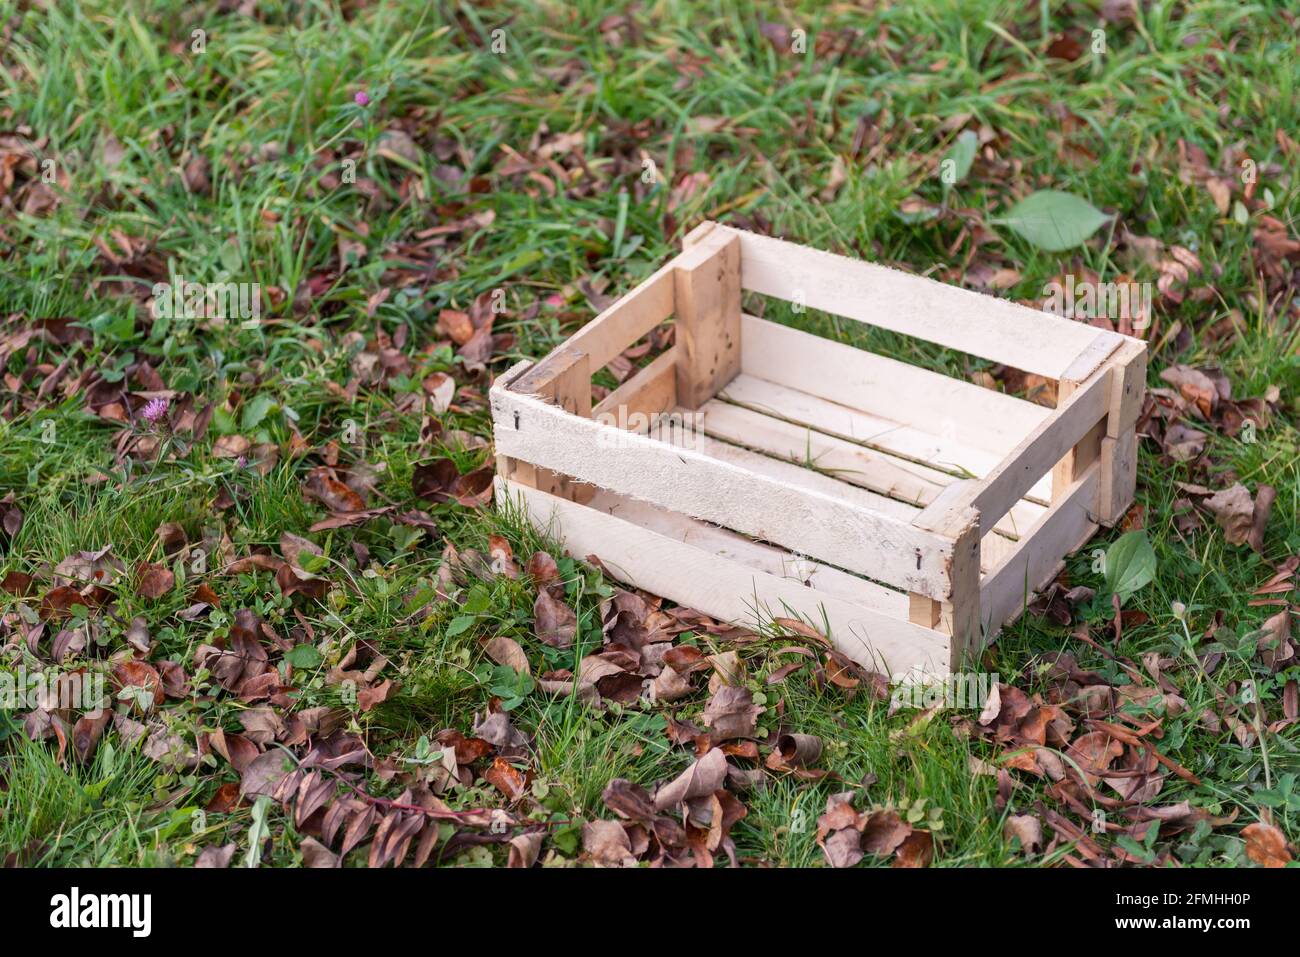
<point>703,777</point>
<point>542,569</point>
<point>524,849</point>
<point>17,583</point>
<point>1027,829</point>
<point>1194,386</point>
<point>441,481</point>
<point>316,854</point>
<point>1234,510</point>
<point>507,651</point>
<point>731,713</point>
<point>916,851</point>
<point>843,847</point>
<point>606,843</point>
<point>798,750</point>
<point>216,857</point>
<point>502,557</point>
<point>154,581</point>
<point>263,774</point>
<point>506,778</point>
<point>555,623</point>
<point>884,832</point>
<point>323,485</point>
<point>87,732</point>
<point>1265,495</point>
<point>1266,845</point>
<point>138,674</point>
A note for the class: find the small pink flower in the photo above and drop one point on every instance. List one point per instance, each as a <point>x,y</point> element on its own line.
<point>555,300</point>
<point>154,410</point>
<point>362,98</point>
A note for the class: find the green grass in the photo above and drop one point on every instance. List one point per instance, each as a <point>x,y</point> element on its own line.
<point>121,102</point>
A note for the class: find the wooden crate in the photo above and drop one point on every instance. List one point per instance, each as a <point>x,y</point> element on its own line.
<point>933,507</point>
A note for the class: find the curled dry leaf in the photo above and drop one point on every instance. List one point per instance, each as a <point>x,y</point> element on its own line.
<point>506,778</point>
<point>524,849</point>
<point>703,777</point>
<point>917,850</point>
<point>440,388</point>
<point>502,557</point>
<point>798,750</point>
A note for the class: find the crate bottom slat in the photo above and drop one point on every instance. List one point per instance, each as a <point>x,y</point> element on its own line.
<point>855,464</point>
<point>680,563</point>
<point>997,546</point>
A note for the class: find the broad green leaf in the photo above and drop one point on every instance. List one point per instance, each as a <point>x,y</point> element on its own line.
<point>459,624</point>
<point>1130,563</point>
<point>956,163</point>
<point>257,409</point>
<point>1053,220</point>
<point>303,656</point>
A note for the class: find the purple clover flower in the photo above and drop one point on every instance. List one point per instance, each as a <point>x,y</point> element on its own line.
<point>154,410</point>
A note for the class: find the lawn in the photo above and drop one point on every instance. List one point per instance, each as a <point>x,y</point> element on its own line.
<point>268,531</point>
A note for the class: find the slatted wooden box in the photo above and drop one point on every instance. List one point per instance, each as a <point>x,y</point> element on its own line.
<point>908,513</point>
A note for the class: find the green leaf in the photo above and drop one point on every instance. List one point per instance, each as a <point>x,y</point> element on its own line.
<point>257,409</point>
<point>1053,220</point>
<point>1130,563</point>
<point>962,155</point>
<point>459,624</point>
<point>303,656</point>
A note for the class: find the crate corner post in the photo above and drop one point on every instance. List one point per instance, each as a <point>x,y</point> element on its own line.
<point>706,277</point>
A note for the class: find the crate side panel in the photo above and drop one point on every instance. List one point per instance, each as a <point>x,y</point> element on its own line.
<point>756,555</point>
<point>1034,563</point>
<point>843,534</point>
<point>950,316</point>
<point>728,590</point>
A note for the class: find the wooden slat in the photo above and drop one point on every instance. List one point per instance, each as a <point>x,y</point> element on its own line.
<point>686,481</point>
<point>621,325</point>
<point>729,590</point>
<point>1042,449</point>
<point>957,318</point>
<point>1035,562</point>
<point>938,404</point>
<point>847,461</point>
<point>946,454</point>
<point>652,389</point>
<point>752,554</point>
